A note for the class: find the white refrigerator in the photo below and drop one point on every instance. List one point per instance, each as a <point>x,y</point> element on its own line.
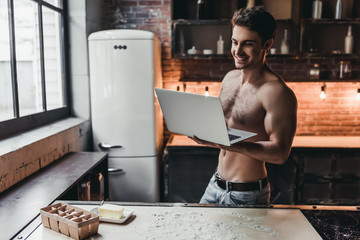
<point>125,66</point>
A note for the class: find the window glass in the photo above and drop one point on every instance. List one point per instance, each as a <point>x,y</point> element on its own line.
<point>28,57</point>
<point>53,58</point>
<point>56,3</point>
<point>32,69</point>
<point>6,100</point>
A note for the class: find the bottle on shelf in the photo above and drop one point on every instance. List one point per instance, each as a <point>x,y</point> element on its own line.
<point>349,41</point>
<point>317,9</point>
<point>201,10</point>
<point>220,45</point>
<point>284,48</point>
<point>181,43</point>
<point>338,9</point>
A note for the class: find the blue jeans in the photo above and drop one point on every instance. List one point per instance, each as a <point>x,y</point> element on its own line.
<point>215,194</point>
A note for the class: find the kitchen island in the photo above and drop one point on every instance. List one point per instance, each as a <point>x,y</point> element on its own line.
<point>196,221</point>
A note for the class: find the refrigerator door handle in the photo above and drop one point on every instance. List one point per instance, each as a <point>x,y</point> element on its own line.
<point>108,146</point>
<point>116,170</point>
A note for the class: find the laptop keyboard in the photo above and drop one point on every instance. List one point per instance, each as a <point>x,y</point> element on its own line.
<point>233,137</point>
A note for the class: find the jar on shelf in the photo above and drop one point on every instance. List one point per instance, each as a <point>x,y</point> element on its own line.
<point>314,72</point>
<point>345,70</point>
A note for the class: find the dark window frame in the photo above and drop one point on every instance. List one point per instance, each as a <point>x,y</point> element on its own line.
<point>20,124</point>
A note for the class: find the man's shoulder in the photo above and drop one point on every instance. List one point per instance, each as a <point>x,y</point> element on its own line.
<point>235,73</point>
<point>276,87</point>
<point>274,81</point>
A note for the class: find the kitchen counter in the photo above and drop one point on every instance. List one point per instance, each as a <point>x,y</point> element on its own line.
<point>326,142</point>
<point>299,141</point>
<point>319,170</point>
<point>179,221</point>
<point>195,221</point>
<point>21,203</point>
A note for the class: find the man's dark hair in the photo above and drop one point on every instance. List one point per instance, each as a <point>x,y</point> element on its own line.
<point>256,19</point>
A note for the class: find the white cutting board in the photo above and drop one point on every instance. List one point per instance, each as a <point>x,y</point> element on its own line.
<point>157,223</point>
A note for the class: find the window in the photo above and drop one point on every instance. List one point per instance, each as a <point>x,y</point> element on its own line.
<point>32,64</point>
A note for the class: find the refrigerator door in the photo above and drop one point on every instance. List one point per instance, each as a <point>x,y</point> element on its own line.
<point>133,179</point>
<point>122,76</point>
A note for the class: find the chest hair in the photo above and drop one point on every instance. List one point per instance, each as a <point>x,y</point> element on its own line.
<point>241,105</point>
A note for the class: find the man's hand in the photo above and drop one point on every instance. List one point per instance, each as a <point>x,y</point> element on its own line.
<point>206,143</point>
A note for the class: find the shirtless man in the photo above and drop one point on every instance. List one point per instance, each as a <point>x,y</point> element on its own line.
<point>256,99</point>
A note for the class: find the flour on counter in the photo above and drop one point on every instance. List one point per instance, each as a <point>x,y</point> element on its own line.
<point>250,223</point>
<point>199,225</point>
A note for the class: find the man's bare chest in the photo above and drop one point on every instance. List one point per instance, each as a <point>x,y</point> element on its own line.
<point>242,107</point>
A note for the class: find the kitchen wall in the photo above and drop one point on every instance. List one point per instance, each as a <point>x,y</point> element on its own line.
<point>24,154</point>
<point>338,114</point>
<point>84,17</point>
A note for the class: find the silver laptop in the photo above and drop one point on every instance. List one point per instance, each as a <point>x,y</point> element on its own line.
<point>198,115</point>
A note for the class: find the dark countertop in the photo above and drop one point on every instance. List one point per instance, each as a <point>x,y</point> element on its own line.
<point>335,224</point>
<point>21,203</point>
<point>331,222</point>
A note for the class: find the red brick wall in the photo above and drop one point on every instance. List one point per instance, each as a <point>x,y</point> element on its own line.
<point>338,114</point>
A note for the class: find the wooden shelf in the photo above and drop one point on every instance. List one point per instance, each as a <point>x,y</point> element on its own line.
<point>203,56</point>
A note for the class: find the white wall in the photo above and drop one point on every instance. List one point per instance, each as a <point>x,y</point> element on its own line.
<point>84,18</point>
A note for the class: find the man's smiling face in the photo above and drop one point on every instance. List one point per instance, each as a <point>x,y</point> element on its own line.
<point>247,48</point>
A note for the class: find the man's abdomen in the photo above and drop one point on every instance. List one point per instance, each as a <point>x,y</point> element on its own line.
<point>237,167</point>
